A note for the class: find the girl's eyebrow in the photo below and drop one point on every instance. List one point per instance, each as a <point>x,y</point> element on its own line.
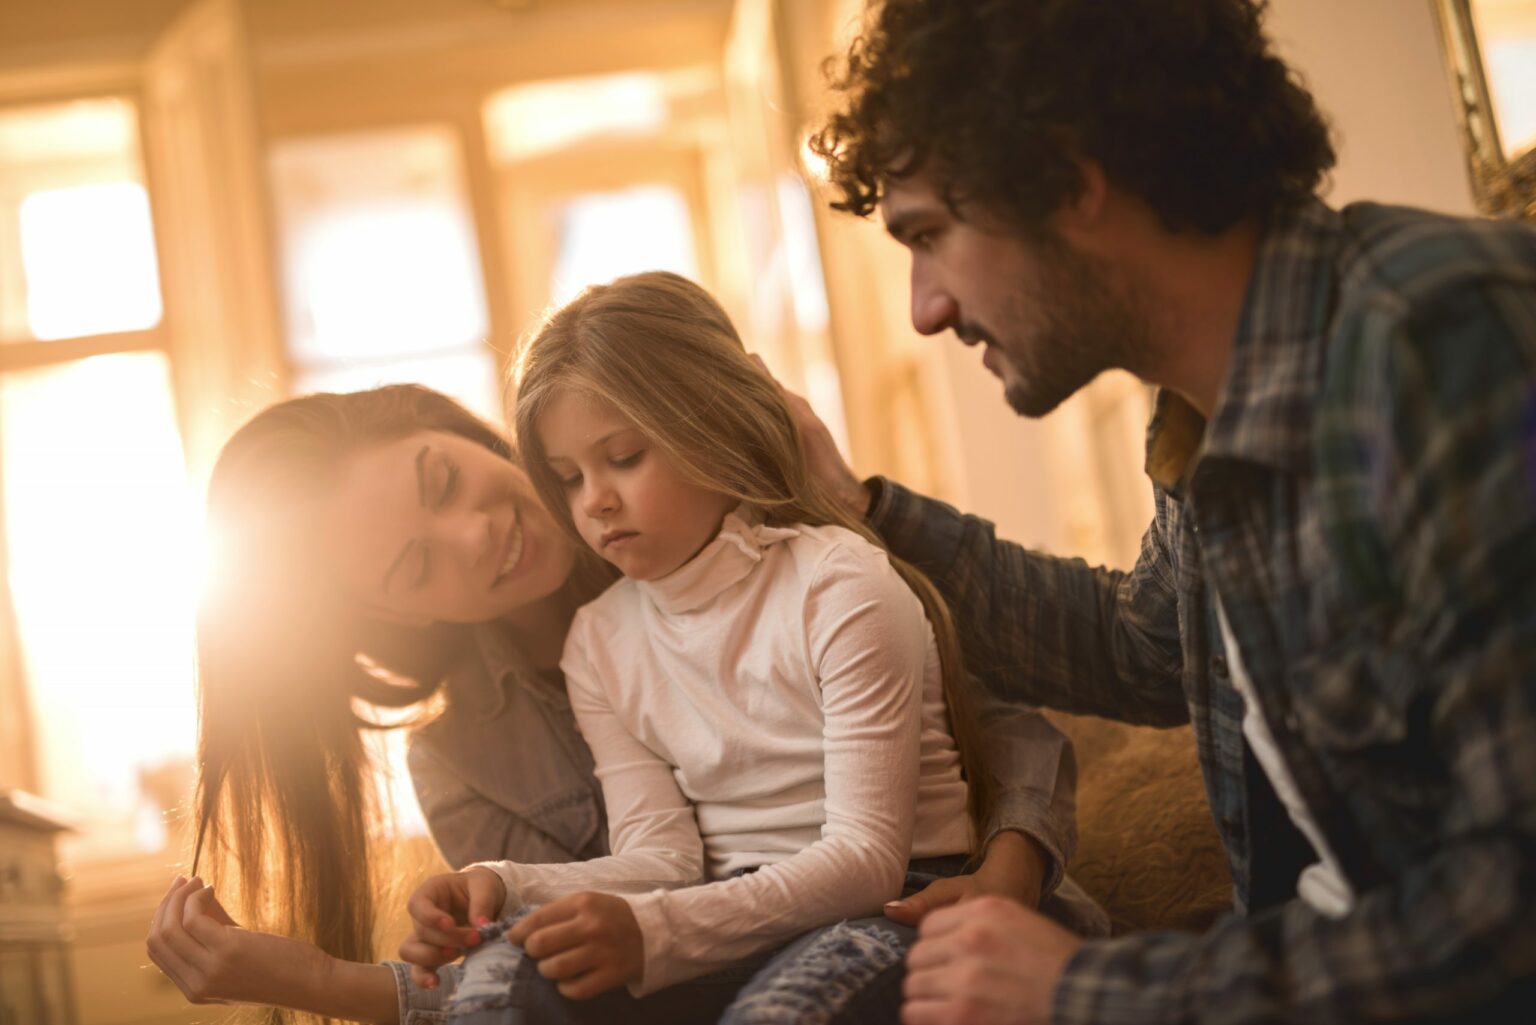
<point>597,443</point>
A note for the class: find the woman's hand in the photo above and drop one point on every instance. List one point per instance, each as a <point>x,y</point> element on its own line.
<point>444,911</point>
<point>1014,867</point>
<point>588,943</point>
<point>822,458</point>
<point>212,960</point>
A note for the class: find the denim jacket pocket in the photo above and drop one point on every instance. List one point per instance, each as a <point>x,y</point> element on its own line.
<point>569,817</point>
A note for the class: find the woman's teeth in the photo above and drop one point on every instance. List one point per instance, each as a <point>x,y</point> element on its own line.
<point>514,553</point>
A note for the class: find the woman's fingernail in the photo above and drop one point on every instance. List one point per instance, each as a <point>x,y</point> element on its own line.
<point>179,880</point>
<point>895,904</point>
<point>482,920</point>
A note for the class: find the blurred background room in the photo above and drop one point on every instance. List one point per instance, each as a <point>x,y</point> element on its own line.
<point>208,205</point>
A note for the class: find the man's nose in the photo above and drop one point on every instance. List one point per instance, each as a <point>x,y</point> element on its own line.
<point>933,308</point>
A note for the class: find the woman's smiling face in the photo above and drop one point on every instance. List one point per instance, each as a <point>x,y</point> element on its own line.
<point>434,527</point>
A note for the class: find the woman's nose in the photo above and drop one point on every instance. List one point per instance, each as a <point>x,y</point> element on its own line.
<point>472,536</point>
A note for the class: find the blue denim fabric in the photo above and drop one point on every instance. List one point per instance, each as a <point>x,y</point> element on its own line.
<point>843,974</point>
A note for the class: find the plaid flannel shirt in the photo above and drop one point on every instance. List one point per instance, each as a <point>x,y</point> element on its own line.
<point>1363,500</point>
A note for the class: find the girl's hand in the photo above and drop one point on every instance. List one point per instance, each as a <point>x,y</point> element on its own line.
<point>212,960</point>
<point>1014,867</point>
<point>444,911</point>
<point>822,458</point>
<point>587,942</point>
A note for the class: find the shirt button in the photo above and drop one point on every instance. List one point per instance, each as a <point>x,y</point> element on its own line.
<point>1292,721</point>
<point>1219,666</point>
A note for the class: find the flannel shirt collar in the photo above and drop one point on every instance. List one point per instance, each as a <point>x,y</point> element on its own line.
<point>1264,410</point>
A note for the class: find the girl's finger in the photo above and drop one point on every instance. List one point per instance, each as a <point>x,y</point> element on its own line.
<point>570,964</point>
<point>552,939</point>
<point>550,914</point>
<point>415,951</point>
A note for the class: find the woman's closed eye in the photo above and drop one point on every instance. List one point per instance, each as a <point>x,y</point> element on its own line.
<point>450,484</point>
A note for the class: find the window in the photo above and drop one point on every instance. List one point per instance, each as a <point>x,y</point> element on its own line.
<point>95,509</point>
<point>380,266</point>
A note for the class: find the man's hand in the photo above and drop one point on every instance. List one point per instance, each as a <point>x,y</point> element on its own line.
<point>588,943</point>
<point>1014,867</point>
<point>444,911</point>
<point>990,961</point>
<point>822,458</point>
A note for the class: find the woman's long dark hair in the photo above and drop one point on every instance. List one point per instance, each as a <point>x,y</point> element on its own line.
<point>285,798</point>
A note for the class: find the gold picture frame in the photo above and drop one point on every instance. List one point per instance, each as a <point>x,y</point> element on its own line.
<point>1503,184</point>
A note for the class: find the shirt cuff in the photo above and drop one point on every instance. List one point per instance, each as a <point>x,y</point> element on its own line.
<point>1029,814</point>
<point>504,871</point>
<point>656,939</point>
<point>424,1006</point>
<point>885,497</point>
<point>1132,980</point>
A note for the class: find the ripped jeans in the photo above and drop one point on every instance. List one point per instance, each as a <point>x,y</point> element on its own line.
<point>844,974</point>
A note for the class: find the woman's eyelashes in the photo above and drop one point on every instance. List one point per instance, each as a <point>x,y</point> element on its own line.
<point>449,484</point>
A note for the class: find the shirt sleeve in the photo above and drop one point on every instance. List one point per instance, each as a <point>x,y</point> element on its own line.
<point>867,643</point>
<point>1045,630</point>
<point>424,1006</point>
<point>652,830</point>
<point>1446,465</point>
<point>1036,775</point>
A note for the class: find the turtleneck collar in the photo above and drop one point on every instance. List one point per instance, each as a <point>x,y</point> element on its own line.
<point>726,561</point>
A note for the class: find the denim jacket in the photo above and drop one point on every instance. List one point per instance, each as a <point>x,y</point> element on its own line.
<point>504,774</point>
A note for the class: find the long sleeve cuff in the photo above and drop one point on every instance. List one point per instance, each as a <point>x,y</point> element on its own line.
<point>424,1006</point>
<point>1132,980</point>
<point>1028,812</point>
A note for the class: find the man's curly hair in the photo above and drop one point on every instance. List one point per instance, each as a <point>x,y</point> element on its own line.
<point>1181,102</point>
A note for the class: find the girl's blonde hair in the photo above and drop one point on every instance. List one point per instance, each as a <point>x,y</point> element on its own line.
<point>661,352</point>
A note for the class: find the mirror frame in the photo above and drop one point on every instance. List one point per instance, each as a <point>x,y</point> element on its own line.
<point>1501,186</point>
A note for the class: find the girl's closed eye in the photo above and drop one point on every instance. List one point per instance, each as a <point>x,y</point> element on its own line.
<point>624,462</point>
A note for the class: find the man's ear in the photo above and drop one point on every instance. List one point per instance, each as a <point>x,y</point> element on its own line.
<point>1084,213</point>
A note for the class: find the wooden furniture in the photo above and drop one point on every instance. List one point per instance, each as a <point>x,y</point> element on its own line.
<point>35,984</point>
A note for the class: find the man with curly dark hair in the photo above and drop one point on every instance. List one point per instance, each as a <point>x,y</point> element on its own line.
<point>1339,587</point>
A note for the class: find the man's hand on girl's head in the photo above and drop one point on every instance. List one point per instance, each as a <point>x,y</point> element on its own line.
<point>444,911</point>
<point>588,943</point>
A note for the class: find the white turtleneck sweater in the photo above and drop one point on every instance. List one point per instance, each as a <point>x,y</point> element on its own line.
<point>775,703</point>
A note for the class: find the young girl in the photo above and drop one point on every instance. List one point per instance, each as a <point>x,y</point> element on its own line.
<point>765,694</point>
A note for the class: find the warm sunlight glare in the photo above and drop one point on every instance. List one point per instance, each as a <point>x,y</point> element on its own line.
<point>104,552</point>
<point>530,120</point>
<point>90,240</point>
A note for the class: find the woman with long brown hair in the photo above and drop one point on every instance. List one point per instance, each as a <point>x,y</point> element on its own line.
<point>376,550</point>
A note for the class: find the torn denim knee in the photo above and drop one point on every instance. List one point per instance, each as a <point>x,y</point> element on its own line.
<point>819,981</point>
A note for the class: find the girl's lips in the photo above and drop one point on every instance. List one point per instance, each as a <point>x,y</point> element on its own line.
<point>617,537</point>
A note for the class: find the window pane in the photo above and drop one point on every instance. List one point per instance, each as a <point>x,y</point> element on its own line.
<point>77,251</point>
<point>100,535</point>
<point>378,247</point>
<point>603,235</point>
<point>1507,31</point>
<point>88,254</point>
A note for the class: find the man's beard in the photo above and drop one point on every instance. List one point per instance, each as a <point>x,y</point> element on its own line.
<point>1083,327</point>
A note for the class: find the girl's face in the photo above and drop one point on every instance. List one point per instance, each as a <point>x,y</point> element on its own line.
<point>628,501</point>
<point>436,528</point>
